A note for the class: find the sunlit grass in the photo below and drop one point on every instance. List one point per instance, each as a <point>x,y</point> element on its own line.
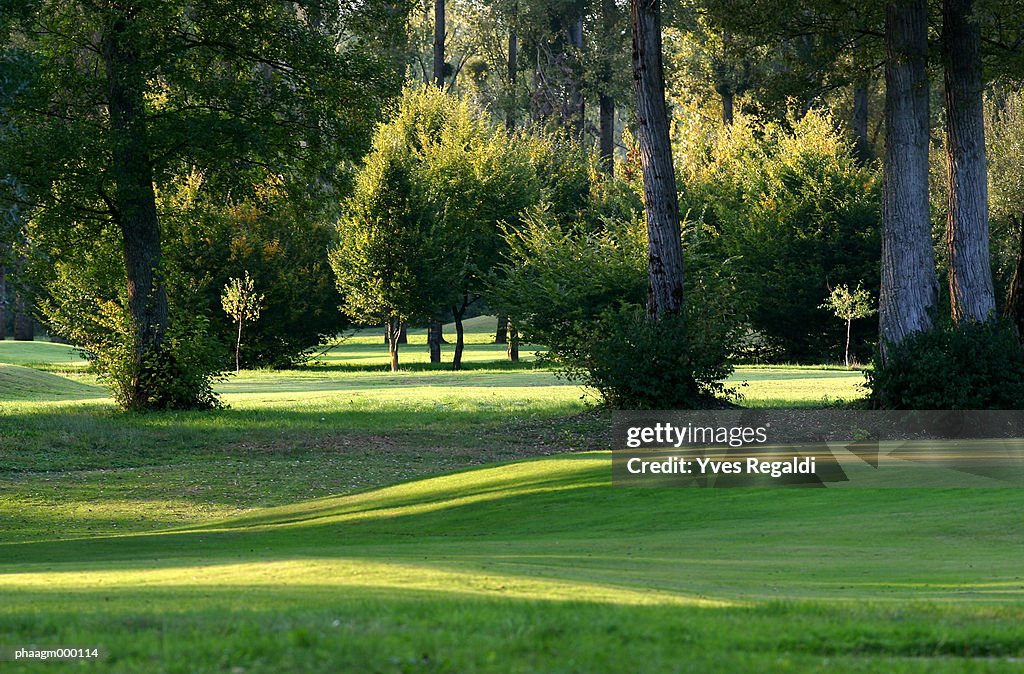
<point>340,518</point>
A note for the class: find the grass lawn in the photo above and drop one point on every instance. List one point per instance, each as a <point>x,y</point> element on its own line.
<point>339,518</point>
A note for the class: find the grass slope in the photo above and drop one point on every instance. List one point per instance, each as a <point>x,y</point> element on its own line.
<point>26,384</point>
<point>39,353</point>
<point>543,566</point>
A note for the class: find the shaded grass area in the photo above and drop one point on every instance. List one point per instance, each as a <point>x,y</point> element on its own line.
<point>543,566</point>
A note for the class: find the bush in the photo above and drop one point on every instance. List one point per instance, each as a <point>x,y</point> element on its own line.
<point>635,363</point>
<point>214,234</point>
<point>791,205</point>
<point>84,303</point>
<point>971,366</point>
<point>581,293</point>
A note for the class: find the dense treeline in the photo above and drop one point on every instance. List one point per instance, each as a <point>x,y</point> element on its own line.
<point>627,183</point>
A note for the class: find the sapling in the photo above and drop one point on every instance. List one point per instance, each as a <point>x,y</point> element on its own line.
<point>849,305</point>
<point>242,303</point>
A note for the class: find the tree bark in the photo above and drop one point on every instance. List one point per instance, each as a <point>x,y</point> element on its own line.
<point>727,106</point>
<point>859,123</point>
<point>513,68</point>
<point>3,303</point>
<point>577,104</point>
<point>501,333</point>
<point>607,105</point>
<point>403,335</point>
<point>861,117</point>
<point>439,35</point>
<point>909,285</point>
<point>24,322</point>
<point>460,335</point>
<point>513,342</point>
<point>238,348</point>
<point>971,292</point>
<point>392,330</point>
<point>434,338</point>
<point>846,354</point>
<point>661,201</point>
<point>136,208</point>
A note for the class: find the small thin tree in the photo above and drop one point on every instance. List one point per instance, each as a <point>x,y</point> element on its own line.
<point>243,304</point>
<point>849,305</point>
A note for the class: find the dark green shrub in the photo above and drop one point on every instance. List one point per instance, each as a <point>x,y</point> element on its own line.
<point>971,366</point>
<point>581,293</point>
<point>636,363</point>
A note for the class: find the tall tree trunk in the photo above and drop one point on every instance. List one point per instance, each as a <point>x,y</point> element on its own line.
<point>501,333</point>
<point>1015,294</point>
<point>24,321</point>
<point>3,302</point>
<point>846,353</point>
<point>513,68</point>
<point>971,292</point>
<point>135,203</point>
<point>392,330</point>
<point>605,99</point>
<point>860,118</point>
<point>513,342</point>
<point>607,104</point>
<point>439,35</point>
<point>577,104</point>
<point>460,335</point>
<point>727,84</point>
<point>661,201</point>
<point>727,106</point>
<point>909,285</point>
<point>434,338</point>
<point>861,144</point>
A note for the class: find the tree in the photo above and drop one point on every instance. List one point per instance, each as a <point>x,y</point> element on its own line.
<point>422,229</point>
<point>243,304</point>
<point>972,296</point>
<point>909,287</point>
<point>848,306</point>
<point>127,96</point>
<point>388,262</point>
<point>661,201</point>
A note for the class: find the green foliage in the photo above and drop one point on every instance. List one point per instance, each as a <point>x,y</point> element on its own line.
<point>85,301</point>
<point>1004,139</point>
<point>634,362</point>
<point>581,293</point>
<point>221,89</point>
<point>798,214</point>
<point>849,305</point>
<point>422,228</point>
<point>240,299</point>
<point>214,234</point>
<point>970,366</point>
<point>182,372</point>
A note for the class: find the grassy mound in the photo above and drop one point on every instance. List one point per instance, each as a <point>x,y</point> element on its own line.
<point>26,384</point>
<point>39,353</point>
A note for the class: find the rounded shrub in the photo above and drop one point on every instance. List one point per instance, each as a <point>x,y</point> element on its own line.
<point>970,366</point>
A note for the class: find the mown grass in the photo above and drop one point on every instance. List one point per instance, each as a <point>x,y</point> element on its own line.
<point>543,566</point>
<point>338,519</point>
